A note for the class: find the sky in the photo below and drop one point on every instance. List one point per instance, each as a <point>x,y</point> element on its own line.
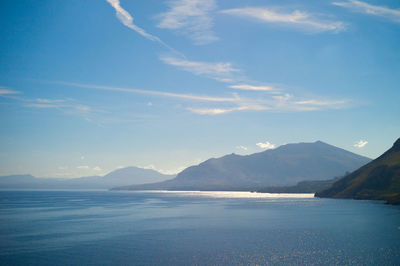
<point>87,87</point>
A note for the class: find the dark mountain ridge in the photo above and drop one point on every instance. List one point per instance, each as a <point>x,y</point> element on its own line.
<point>283,166</point>
<point>378,180</point>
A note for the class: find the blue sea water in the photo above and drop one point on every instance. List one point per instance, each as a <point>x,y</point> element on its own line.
<point>158,228</point>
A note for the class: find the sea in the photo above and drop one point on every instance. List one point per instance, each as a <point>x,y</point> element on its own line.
<point>194,228</point>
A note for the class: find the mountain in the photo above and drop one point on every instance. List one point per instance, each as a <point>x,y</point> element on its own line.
<point>286,165</point>
<point>301,187</point>
<point>378,180</point>
<point>124,176</point>
<point>119,177</point>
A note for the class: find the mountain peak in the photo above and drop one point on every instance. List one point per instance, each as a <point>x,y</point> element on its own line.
<point>396,145</point>
<point>285,165</point>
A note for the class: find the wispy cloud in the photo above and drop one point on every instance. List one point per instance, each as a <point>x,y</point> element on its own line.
<point>363,7</point>
<point>266,145</point>
<point>42,100</point>
<point>278,103</point>
<point>42,105</point>
<point>241,147</point>
<point>221,71</point>
<point>66,106</point>
<point>61,104</point>
<point>243,105</point>
<point>211,111</point>
<point>5,91</point>
<point>248,87</point>
<point>321,102</point>
<point>83,167</point>
<point>192,17</point>
<point>360,143</point>
<point>127,20</point>
<point>235,103</point>
<point>163,171</point>
<point>298,19</point>
<point>155,93</point>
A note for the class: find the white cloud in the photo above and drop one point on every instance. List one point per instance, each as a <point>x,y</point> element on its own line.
<point>283,98</point>
<point>221,71</point>
<point>82,157</point>
<point>211,111</point>
<point>254,88</point>
<point>363,7</point>
<point>242,106</point>
<point>83,167</point>
<point>165,172</point>
<point>42,105</point>
<point>82,108</point>
<point>41,100</point>
<point>63,105</point>
<point>240,147</point>
<point>321,103</point>
<point>360,143</point>
<point>97,168</point>
<point>192,17</point>
<point>299,19</point>
<point>267,145</point>
<point>172,171</point>
<point>149,104</point>
<point>156,93</point>
<point>4,91</point>
<point>127,20</point>
<point>62,168</point>
<point>277,103</point>
<point>235,103</point>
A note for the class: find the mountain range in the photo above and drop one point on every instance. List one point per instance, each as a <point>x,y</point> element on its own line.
<point>377,180</point>
<point>119,177</point>
<point>283,166</point>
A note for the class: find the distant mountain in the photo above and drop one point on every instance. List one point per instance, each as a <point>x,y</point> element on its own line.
<point>283,166</point>
<point>119,177</point>
<point>378,180</point>
<point>124,176</point>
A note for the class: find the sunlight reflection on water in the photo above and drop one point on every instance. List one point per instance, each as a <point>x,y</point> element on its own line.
<point>230,194</point>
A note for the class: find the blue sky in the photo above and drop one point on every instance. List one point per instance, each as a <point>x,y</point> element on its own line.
<point>90,86</point>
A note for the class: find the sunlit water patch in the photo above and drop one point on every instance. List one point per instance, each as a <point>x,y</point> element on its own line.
<point>230,194</point>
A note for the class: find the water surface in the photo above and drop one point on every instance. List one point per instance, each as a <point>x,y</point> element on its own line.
<point>181,228</point>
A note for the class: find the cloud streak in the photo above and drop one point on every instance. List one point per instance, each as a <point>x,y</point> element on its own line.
<point>5,91</point>
<point>363,7</point>
<point>321,102</point>
<point>220,71</point>
<point>360,144</point>
<point>191,17</point>
<point>155,93</point>
<point>299,19</point>
<point>235,103</point>
<point>248,87</point>
<point>127,20</point>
